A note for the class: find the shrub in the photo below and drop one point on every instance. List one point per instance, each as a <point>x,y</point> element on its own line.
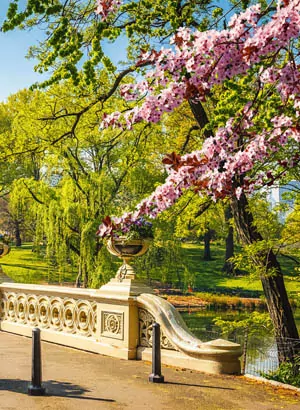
<point>287,372</point>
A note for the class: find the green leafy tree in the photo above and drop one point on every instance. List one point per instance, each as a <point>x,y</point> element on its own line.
<point>82,175</point>
<point>73,25</point>
<point>290,244</point>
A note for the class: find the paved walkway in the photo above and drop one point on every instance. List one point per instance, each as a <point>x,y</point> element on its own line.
<point>76,379</point>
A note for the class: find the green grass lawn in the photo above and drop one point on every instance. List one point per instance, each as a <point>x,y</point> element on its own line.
<point>25,266</point>
<point>209,275</point>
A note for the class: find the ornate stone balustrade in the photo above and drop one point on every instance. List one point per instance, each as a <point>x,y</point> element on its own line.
<point>82,318</point>
<point>115,320</point>
<point>57,313</point>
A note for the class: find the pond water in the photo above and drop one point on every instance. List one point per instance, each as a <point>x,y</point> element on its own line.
<point>202,322</point>
<point>261,356</point>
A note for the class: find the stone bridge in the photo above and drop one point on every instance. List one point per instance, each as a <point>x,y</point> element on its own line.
<point>115,320</point>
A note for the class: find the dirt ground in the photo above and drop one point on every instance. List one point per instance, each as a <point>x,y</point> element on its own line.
<point>77,379</point>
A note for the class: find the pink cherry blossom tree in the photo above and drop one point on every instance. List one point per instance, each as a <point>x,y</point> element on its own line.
<point>231,162</point>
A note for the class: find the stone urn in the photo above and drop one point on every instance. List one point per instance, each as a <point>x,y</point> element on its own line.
<point>4,250</point>
<point>127,249</point>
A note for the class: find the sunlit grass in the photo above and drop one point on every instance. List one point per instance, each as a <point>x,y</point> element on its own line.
<point>25,266</point>
<point>209,275</point>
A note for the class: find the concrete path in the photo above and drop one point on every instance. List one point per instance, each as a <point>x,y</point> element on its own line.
<point>79,380</point>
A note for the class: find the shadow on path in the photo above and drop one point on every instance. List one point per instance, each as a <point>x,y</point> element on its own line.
<point>200,385</point>
<point>53,389</point>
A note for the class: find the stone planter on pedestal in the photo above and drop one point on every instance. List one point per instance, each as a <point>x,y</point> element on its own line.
<point>125,282</point>
<point>4,250</point>
<point>126,250</point>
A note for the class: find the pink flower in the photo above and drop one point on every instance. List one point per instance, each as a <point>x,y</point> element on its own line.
<point>106,7</point>
<point>210,58</point>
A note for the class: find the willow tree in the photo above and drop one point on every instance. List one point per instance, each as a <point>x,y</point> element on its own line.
<point>20,222</point>
<point>84,174</point>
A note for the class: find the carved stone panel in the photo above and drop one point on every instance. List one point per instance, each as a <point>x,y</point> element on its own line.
<point>146,321</point>
<point>112,325</point>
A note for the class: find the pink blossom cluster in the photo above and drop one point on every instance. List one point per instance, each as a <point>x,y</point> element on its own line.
<point>106,7</point>
<point>286,80</point>
<point>202,59</point>
<point>198,62</point>
<point>211,169</point>
<point>132,92</point>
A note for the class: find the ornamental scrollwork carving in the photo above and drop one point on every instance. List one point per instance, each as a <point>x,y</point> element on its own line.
<point>55,313</point>
<point>146,320</point>
<point>112,325</point>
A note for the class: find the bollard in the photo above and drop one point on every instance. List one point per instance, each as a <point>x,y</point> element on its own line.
<point>36,388</point>
<point>155,376</point>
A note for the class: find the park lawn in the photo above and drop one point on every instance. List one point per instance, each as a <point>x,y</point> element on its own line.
<point>25,266</point>
<point>209,275</point>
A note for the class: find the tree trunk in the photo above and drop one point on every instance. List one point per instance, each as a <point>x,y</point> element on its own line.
<point>228,266</point>
<point>200,115</point>
<point>272,281</point>
<point>18,233</point>
<point>85,278</point>
<point>84,272</point>
<point>78,278</point>
<point>207,239</point>
<point>271,277</point>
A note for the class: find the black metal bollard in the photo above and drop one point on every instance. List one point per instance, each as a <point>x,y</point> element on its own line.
<point>155,376</point>
<point>36,388</point>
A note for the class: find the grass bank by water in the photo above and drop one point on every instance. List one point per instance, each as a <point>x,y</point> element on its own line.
<point>208,275</point>
<point>193,302</point>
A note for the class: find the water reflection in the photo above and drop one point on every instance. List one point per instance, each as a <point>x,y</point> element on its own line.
<point>260,346</point>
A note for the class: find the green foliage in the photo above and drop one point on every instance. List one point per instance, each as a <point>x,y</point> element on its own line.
<point>162,263</point>
<point>194,215</point>
<point>252,256</point>
<point>254,324</point>
<point>265,219</point>
<point>78,177</point>
<point>106,267</point>
<point>291,232</point>
<point>287,373</point>
<point>217,12</point>
<point>76,35</point>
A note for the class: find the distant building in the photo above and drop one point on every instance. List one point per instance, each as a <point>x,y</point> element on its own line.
<point>279,195</point>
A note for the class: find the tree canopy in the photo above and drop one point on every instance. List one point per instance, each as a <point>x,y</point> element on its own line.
<point>239,74</point>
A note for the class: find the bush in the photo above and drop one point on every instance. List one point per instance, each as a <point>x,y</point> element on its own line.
<point>287,372</point>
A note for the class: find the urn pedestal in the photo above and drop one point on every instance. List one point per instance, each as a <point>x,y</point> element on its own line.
<point>4,250</point>
<point>126,250</point>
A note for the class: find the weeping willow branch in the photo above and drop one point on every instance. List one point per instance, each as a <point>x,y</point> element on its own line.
<point>33,194</point>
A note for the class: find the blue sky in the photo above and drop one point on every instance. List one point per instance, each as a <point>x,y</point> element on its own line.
<point>16,71</point>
